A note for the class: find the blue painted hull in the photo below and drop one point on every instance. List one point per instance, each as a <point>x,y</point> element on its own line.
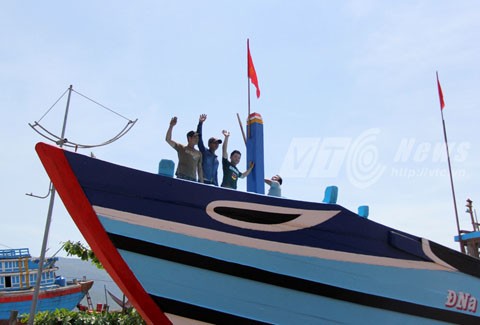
<point>49,300</point>
<point>219,255</point>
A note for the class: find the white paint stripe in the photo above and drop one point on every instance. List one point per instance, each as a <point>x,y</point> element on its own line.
<point>218,236</point>
<point>180,320</point>
<point>306,219</point>
<point>428,251</point>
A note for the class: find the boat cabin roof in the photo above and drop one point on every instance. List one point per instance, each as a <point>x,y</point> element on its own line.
<point>14,253</point>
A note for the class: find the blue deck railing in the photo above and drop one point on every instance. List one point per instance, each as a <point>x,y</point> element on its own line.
<point>14,253</point>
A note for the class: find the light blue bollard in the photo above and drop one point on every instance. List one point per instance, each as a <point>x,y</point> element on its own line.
<point>363,211</point>
<point>166,167</point>
<point>331,194</point>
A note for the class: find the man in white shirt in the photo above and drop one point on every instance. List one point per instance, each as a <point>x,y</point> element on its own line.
<point>275,186</point>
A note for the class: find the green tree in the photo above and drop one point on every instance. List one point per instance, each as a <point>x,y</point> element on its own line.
<point>67,317</point>
<point>81,251</point>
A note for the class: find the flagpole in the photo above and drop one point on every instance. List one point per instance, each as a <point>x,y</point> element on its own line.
<point>442,104</point>
<point>451,185</point>
<point>248,82</point>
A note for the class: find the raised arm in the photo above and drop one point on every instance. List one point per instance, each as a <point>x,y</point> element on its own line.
<point>168,136</point>
<point>225,144</point>
<point>201,119</point>
<point>248,171</point>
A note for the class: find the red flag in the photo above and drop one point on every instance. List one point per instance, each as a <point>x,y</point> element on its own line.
<point>251,71</point>
<point>440,94</point>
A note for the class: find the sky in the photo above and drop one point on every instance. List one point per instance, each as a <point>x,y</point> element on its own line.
<point>348,98</point>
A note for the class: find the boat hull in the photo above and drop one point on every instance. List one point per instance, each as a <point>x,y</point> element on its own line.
<point>49,299</point>
<point>218,255</point>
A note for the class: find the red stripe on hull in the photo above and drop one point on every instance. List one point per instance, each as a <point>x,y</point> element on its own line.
<point>51,293</point>
<point>81,211</point>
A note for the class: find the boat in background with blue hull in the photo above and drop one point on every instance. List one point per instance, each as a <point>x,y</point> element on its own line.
<point>18,274</point>
<point>182,249</point>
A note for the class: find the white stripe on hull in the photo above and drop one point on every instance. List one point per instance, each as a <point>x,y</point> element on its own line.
<point>218,236</point>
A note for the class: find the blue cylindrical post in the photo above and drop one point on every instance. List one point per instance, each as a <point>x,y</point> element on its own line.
<point>255,181</point>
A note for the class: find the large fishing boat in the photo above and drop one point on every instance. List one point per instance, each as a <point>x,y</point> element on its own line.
<point>178,248</point>
<point>18,275</point>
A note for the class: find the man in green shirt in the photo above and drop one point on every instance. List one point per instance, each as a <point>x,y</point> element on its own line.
<point>230,170</point>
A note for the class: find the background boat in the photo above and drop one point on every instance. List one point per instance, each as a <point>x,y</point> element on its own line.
<point>75,268</point>
<point>18,274</point>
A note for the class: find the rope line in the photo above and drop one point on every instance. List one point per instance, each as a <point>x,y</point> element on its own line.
<point>93,101</point>
<point>53,105</point>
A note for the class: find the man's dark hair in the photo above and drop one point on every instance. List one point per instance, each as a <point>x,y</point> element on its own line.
<point>191,134</point>
<point>234,152</point>
<point>280,180</point>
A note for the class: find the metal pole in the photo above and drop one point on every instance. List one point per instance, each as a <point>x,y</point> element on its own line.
<point>442,105</point>
<point>62,136</point>
<point>47,227</point>
<point>241,129</point>
<point>13,317</point>
<point>248,82</point>
<point>470,211</point>
<point>105,291</point>
<point>451,185</point>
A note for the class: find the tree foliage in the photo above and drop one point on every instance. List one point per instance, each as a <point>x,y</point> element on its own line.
<point>81,251</point>
<point>66,317</point>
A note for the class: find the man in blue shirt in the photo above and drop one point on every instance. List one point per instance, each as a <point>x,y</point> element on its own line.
<point>209,158</point>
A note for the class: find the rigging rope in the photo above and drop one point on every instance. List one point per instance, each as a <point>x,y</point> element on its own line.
<point>112,111</point>
<point>53,105</point>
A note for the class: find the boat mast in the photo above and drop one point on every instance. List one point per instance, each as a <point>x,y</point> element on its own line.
<point>48,222</point>
<point>442,105</point>
<point>462,249</point>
